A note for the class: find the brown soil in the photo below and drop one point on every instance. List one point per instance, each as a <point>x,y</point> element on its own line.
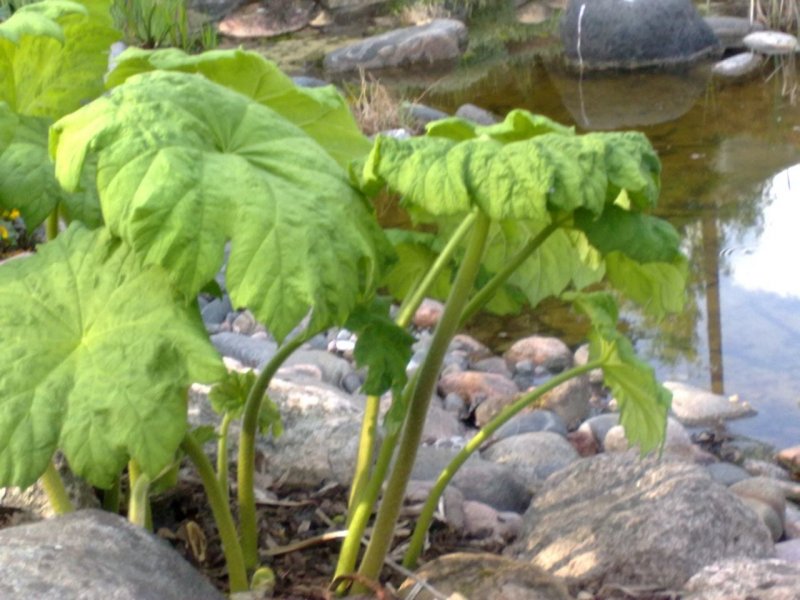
<point>299,538</point>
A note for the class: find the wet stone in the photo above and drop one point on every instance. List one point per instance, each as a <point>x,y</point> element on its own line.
<point>771,42</point>
<point>738,66</point>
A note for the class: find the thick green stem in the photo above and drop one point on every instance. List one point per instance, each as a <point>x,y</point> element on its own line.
<point>111,497</point>
<point>139,503</point>
<point>51,226</point>
<point>222,455</point>
<point>413,300</point>
<point>361,510</point>
<point>366,446</point>
<point>247,449</point>
<point>55,490</point>
<point>486,292</point>
<point>426,516</point>
<point>237,574</point>
<point>405,314</point>
<point>383,531</point>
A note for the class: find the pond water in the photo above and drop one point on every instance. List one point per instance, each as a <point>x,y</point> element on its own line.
<point>731,185</point>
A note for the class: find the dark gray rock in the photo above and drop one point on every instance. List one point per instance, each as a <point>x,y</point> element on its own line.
<point>745,578</point>
<point>484,576</point>
<point>476,114</point>
<point>94,555</point>
<point>496,485</point>
<point>727,473</point>
<point>535,420</point>
<point>421,113</point>
<point>251,352</point>
<point>600,425</point>
<point>533,456</point>
<point>625,34</point>
<point>216,310</point>
<point>439,41</point>
<point>731,31</point>
<point>614,519</point>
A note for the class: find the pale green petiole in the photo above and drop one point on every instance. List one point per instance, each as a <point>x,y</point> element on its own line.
<point>426,516</point>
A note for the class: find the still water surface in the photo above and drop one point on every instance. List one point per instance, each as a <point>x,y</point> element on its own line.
<point>731,185</point>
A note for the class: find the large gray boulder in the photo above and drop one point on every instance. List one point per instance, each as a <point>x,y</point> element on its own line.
<point>440,40</point>
<point>601,34</point>
<point>615,519</point>
<point>94,555</point>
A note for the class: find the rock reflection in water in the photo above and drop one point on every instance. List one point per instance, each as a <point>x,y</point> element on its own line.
<point>612,100</point>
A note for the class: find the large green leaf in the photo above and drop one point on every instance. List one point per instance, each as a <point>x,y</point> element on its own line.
<point>518,180</point>
<point>643,402</point>
<point>97,360</point>
<point>28,180</point>
<point>53,55</point>
<point>185,164</point>
<point>321,112</point>
<point>659,287</point>
<point>643,238</point>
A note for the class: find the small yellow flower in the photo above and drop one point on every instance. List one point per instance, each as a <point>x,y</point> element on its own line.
<point>14,214</point>
<point>3,233</point>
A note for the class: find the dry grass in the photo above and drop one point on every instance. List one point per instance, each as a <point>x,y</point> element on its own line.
<point>375,108</point>
<point>777,14</point>
<point>420,13</point>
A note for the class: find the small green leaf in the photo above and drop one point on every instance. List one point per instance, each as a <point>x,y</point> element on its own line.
<point>452,128</point>
<point>98,359</point>
<point>382,346</point>
<point>416,252</point>
<point>522,125</point>
<point>321,112</point>
<point>269,419</point>
<point>230,394</point>
<point>659,287</point>
<point>643,238</point>
<point>29,183</point>
<point>643,402</point>
<point>185,164</point>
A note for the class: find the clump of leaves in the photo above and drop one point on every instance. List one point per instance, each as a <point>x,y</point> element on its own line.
<point>183,155</point>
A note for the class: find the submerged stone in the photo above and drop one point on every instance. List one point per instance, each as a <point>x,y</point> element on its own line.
<point>739,65</point>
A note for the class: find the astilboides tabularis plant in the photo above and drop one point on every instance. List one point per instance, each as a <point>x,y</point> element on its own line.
<point>185,154</point>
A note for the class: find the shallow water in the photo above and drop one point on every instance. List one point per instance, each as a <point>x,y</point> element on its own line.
<point>731,184</point>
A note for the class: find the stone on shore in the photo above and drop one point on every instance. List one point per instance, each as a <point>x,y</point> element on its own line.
<point>533,456</point>
<point>548,352</point>
<point>614,519</point>
<point>485,577</point>
<point>267,19</point>
<point>731,31</point>
<point>694,406</point>
<point>441,40</point>
<point>744,578</point>
<point>94,555</point>
<point>771,43</point>
<point>738,66</point>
